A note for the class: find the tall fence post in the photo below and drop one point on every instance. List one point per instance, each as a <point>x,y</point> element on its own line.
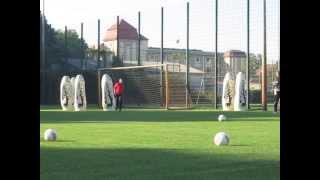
<point>99,88</point>
<point>187,59</point>
<point>264,62</point>
<point>43,58</point>
<point>248,54</point>
<point>161,57</point>
<point>82,48</point>
<point>118,39</point>
<point>139,39</point>
<point>98,53</point>
<point>216,60</point>
<point>66,44</point>
<point>167,87</point>
<point>43,28</point>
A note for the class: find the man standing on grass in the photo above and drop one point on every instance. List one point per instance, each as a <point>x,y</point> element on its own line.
<point>118,91</point>
<point>276,92</point>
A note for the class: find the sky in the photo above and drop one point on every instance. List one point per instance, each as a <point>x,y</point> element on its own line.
<point>232,27</point>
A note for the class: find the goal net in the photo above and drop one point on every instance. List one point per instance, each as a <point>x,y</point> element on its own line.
<point>149,86</point>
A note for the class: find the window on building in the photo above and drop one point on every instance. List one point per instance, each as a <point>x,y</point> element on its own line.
<point>198,59</point>
<point>208,59</point>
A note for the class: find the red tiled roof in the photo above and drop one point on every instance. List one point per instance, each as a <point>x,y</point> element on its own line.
<point>126,31</point>
<point>234,53</point>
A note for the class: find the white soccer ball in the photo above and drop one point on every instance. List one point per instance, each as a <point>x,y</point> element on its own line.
<point>222,117</point>
<point>221,138</point>
<point>50,135</point>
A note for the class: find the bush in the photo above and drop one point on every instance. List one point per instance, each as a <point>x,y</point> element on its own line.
<point>255,97</point>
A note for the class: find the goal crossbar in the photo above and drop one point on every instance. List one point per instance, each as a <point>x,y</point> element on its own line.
<point>136,67</point>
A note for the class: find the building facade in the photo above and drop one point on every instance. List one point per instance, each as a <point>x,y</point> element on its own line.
<point>201,62</point>
<point>128,42</point>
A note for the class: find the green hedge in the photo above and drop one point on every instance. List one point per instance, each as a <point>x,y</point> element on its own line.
<point>255,97</point>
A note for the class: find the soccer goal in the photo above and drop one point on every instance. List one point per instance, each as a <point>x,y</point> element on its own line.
<point>149,86</point>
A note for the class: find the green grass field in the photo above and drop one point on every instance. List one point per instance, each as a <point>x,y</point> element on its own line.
<point>159,145</point>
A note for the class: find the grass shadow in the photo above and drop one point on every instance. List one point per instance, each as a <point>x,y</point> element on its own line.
<point>239,145</point>
<point>151,116</point>
<point>155,164</point>
<point>57,141</point>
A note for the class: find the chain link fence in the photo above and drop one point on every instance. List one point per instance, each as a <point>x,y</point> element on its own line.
<point>122,45</point>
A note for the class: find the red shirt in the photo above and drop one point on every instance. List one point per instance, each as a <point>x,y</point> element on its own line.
<point>118,88</point>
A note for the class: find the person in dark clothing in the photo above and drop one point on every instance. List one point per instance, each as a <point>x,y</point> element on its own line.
<point>276,92</point>
<point>118,92</point>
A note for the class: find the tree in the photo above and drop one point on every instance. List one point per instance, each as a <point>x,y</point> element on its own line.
<point>255,62</point>
<point>55,46</point>
<point>105,52</point>
<point>73,43</point>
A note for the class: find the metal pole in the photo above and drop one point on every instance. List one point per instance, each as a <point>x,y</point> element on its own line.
<point>203,74</point>
<point>264,62</point>
<point>43,58</point>
<point>161,57</point>
<point>167,88</point>
<point>82,50</point>
<point>98,53</point>
<point>43,55</point>
<point>43,41</point>
<point>99,89</point>
<point>272,71</point>
<point>118,43</point>
<point>216,60</point>
<point>187,59</point>
<point>66,44</point>
<point>139,37</point>
<point>248,54</point>
<point>161,50</point>
<point>43,38</point>
<point>278,67</point>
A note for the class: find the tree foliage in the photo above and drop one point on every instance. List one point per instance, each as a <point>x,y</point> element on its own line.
<point>55,50</point>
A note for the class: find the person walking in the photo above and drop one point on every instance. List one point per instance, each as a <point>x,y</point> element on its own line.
<point>118,90</point>
<point>276,92</point>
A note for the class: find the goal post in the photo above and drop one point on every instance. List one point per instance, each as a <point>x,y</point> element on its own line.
<point>149,86</point>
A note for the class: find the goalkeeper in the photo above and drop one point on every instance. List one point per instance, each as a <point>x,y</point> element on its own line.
<point>118,91</point>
